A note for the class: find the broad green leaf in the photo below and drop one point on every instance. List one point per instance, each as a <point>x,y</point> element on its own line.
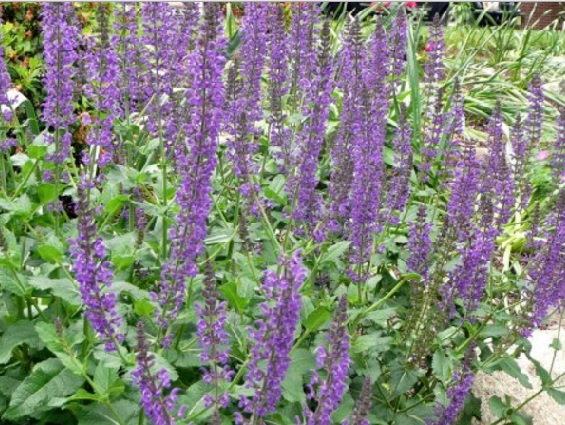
<point>497,406</point>
<point>50,253</point>
<point>52,341</point>
<point>62,288</point>
<point>317,318</point>
<point>229,291</point>
<point>334,252</point>
<point>13,282</point>
<point>143,308</point>
<point>17,334</point>
<point>302,362</point>
<point>48,379</point>
<point>100,414</point>
<point>441,366</point>
<point>47,192</point>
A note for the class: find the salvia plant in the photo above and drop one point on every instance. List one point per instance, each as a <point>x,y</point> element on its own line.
<point>283,223</point>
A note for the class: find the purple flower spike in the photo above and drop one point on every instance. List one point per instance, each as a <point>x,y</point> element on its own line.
<point>350,62</point>
<point>93,274</point>
<point>213,338</point>
<point>103,88</point>
<point>5,84</point>
<point>311,136</point>
<point>61,42</point>
<point>363,405</point>
<point>273,337</point>
<point>334,360</point>
<point>158,407</point>
<point>456,394</point>
<point>196,162</point>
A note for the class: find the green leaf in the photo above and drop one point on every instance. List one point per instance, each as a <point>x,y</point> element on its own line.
<point>302,362</point>
<point>441,366</point>
<point>62,288</point>
<point>380,317</point>
<point>556,344</point>
<point>48,334</point>
<point>371,344</point>
<point>497,406</point>
<point>558,396</point>
<point>334,252</point>
<point>36,152</point>
<point>143,308</point>
<point>317,318</point>
<point>17,334</point>
<point>229,291</point>
<point>512,368</point>
<point>47,192</point>
<point>13,282</point>
<point>403,378</point>
<point>543,374</point>
<point>50,253</point>
<point>108,380</point>
<point>48,379</point>
<point>99,414</point>
<point>275,190</point>
<point>115,205</point>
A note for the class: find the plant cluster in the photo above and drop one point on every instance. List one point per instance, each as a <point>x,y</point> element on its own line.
<point>283,225</point>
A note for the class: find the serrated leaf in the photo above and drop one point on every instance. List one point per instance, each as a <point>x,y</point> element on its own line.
<point>48,379</point>
<point>99,414</point>
<point>48,334</point>
<point>62,288</point>
<point>17,334</point>
<point>13,282</point>
<point>512,368</point>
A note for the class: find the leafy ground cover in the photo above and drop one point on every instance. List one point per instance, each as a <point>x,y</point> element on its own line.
<point>271,218</point>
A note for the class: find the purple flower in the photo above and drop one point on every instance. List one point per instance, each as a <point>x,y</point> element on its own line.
<point>129,49</point>
<point>273,337</point>
<point>367,144</point>
<point>397,184</point>
<point>61,41</point>
<point>558,163</point>
<point>212,336</point>
<point>397,43</point>
<point>310,138</point>
<point>243,106</point>
<point>535,116</point>
<point>362,406</point>
<point>158,406</point>
<point>302,54</point>
<point>329,389</point>
<point>5,84</point>
<point>278,56</point>
<point>196,161</point>
<point>461,384</point>
<point>103,88</point>
<point>350,63</point>
<point>420,244</point>
<point>93,273</point>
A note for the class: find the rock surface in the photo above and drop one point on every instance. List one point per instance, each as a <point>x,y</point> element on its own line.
<point>544,409</point>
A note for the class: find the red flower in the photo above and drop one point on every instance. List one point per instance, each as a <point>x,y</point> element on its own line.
<point>411,4</point>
